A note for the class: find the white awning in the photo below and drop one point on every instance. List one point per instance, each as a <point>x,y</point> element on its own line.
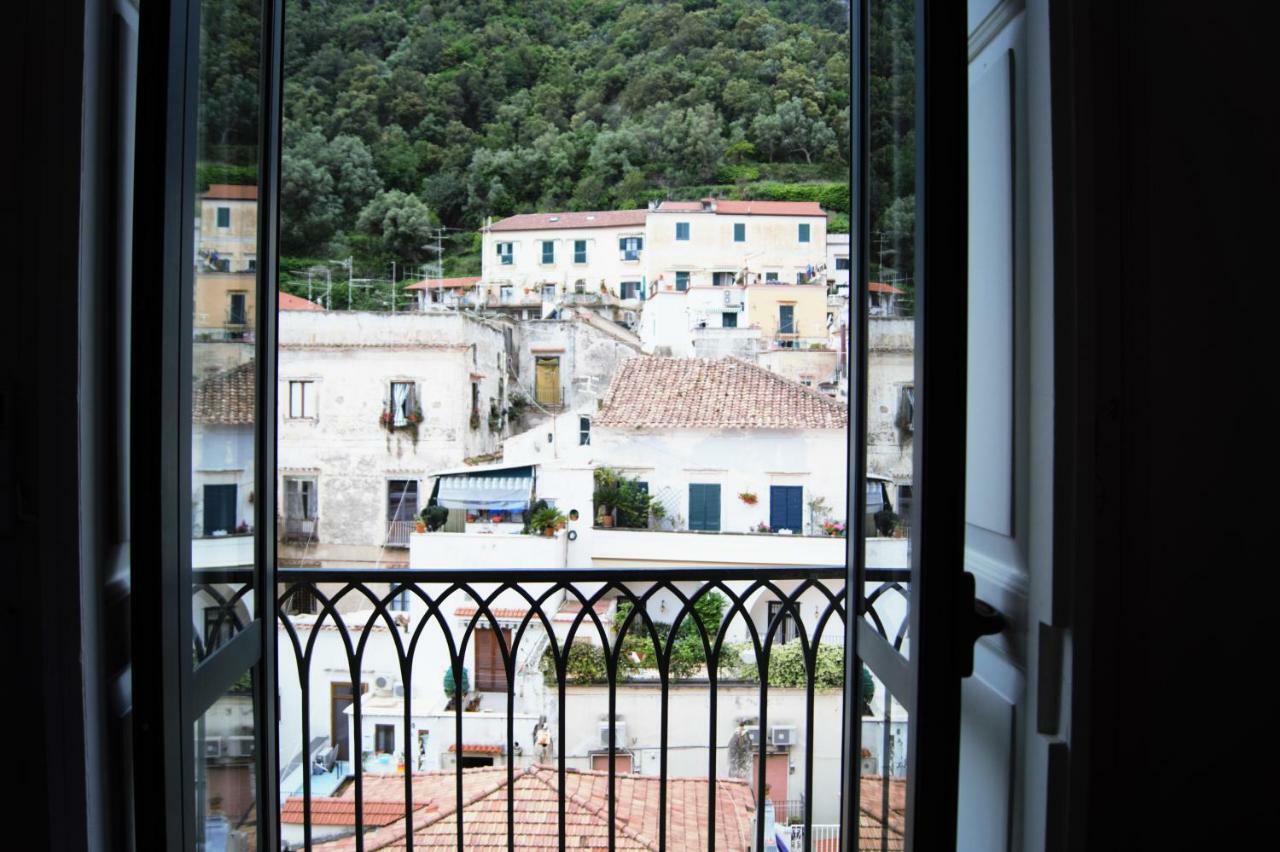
<point>506,490</point>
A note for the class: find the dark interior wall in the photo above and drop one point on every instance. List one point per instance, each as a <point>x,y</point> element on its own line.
<point>1166,170</point>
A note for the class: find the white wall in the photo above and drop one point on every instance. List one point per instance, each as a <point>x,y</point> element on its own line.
<point>772,245</point>
<point>604,261</point>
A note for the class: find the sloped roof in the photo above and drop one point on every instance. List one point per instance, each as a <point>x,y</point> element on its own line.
<point>232,192</point>
<point>579,219</point>
<point>586,813</point>
<point>329,811</point>
<point>877,287</point>
<point>699,393</point>
<point>444,283</point>
<point>289,302</point>
<point>744,208</point>
<point>226,398</point>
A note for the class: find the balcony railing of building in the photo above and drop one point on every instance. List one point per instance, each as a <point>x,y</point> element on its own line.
<point>398,533</point>
<point>300,529</point>
<point>461,604</point>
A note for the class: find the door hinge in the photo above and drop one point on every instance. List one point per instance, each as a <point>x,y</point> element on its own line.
<point>977,619</point>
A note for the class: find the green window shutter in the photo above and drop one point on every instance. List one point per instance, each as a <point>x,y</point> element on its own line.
<point>739,232</point>
<point>804,233</point>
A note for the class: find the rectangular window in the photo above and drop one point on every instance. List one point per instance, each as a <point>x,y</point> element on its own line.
<point>630,289</point>
<point>219,509</point>
<point>682,231</point>
<point>404,403</point>
<point>786,508</point>
<point>399,601</point>
<point>548,251</point>
<point>548,292</point>
<point>739,232</point>
<point>505,292</point>
<point>506,253</point>
<point>402,499</point>
<point>786,319</point>
<point>236,313</point>
<point>584,431</point>
<point>771,277</point>
<point>630,247</point>
<point>704,507</point>
<point>302,400</point>
<point>722,279</point>
<point>300,498</point>
<point>491,674</point>
<point>729,319</point>
<point>842,264</point>
<point>786,629</point>
<point>804,232</point>
<point>546,389</point>
<point>579,251</point>
<point>224,217</point>
<point>384,739</point>
<point>682,281</point>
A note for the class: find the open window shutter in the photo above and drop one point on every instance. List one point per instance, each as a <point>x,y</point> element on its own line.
<point>712,507</point>
<point>777,507</point>
<point>696,503</point>
<point>795,508</point>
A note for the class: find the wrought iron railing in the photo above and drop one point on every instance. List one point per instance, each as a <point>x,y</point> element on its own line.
<point>356,603</point>
<point>398,533</point>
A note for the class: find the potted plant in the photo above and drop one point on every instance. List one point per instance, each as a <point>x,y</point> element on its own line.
<point>433,517</point>
<point>451,690</point>
<point>762,527</point>
<point>749,497</point>
<point>546,520</point>
<point>419,526</point>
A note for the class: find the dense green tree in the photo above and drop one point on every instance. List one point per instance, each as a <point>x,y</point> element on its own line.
<point>400,221</point>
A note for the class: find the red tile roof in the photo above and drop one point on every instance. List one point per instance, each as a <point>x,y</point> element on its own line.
<point>569,610</point>
<point>697,393</point>
<point>586,814</point>
<point>498,612</point>
<point>582,219</point>
<point>226,398</point>
<point>327,811</point>
<point>877,287</point>
<point>475,748</point>
<point>444,283</point>
<point>232,192</point>
<point>290,302</point>
<point>745,208</point>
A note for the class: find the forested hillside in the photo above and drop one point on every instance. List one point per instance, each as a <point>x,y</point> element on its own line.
<point>401,115</point>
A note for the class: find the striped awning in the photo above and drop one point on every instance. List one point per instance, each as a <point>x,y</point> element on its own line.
<point>506,490</point>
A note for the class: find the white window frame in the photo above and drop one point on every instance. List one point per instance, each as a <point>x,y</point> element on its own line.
<point>302,404</point>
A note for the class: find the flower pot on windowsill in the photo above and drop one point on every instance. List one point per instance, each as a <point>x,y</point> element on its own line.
<point>606,521</point>
<point>419,527</point>
<point>549,532</point>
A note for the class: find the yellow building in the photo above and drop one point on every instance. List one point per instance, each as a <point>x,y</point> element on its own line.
<point>788,315</point>
<point>224,303</point>
<point>227,230</point>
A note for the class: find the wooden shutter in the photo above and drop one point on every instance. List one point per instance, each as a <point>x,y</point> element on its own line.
<point>491,674</point>
<point>704,507</point>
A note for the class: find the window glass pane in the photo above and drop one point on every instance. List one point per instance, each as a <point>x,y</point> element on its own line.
<point>225,771</point>
<point>224,319</point>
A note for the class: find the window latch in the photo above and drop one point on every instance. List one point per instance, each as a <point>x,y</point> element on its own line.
<point>978,619</point>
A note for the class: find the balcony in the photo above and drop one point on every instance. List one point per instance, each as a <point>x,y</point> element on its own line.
<point>605,702</point>
<point>398,533</point>
<point>300,530</point>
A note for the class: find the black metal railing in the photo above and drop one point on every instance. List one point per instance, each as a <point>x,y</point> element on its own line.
<point>345,597</point>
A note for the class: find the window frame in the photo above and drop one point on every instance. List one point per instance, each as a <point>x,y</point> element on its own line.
<point>307,389</point>
<point>219,213</point>
<point>684,232</point>
<point>579,251</point>
<point>548,253</point>
<point>684,281</point>
<point>804,232</point>
<point>739,232</point>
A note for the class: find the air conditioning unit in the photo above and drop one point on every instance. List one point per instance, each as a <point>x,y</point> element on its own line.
<point>753,732</point>
<point>213,747</point>
<point>728,298</point>
<point>383,684</point>
<point>619,736</point>
<point>782,736</point>
<point>239,746</point>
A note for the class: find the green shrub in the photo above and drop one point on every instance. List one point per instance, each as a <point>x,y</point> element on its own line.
<point>586,664</point>
<point>787,668</point>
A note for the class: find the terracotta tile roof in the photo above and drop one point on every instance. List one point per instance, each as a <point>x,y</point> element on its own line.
<point>582,219</point>
<point>328,811</point>
<point>569,610</point>
<point>232,192</point>
<point>226,398</point>
<point>877,287</point>
<point>498,612</point>
<point>745,208</point>
<point>698,393</point>
<point>445,283</point>
<point>586,814</point>
<point>871,803</point>
<point>289,302</point>
<point>475,748</point>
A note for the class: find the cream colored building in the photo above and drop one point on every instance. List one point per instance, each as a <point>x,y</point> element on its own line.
<point>227,230</point>
<point>535,261</point>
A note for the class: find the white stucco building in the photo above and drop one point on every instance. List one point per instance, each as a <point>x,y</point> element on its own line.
<point>369,404</point>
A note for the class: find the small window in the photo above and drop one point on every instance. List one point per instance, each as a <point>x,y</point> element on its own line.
<point>506,253</point>
<point>739,232</point>
<point>804,232</point>
<point>251,264</point>
<point>771,277</point>
<point>236,308</point>
<point>579,251</point>
<point>399,601</point>
<point>682,281</point>
<point>584,431</point>
<point>384,739</point>
<point>729,319</point>
<point>548,251</point>
<point>842,263</point>
<point>224,217</point>
<point>786,319</point>
<point>800,277</point>
<point>302,400</point>
<point>630,247</point>
<point>491,672</point>
<point>786,628</point>
<point>630,289</point>
<point>682,231</point>
<point>704,507</point>
<point>402,499</point>
<point>404,403</point>
<point>548,292</point>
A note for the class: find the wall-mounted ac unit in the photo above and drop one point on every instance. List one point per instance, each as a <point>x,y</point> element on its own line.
<point>213,747</point>
<point>239,746</point>
<point>728,298</point>
<point>619,736</point>
<point>753,731</point>
<point>383,684</point>
<point>782,736</point>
